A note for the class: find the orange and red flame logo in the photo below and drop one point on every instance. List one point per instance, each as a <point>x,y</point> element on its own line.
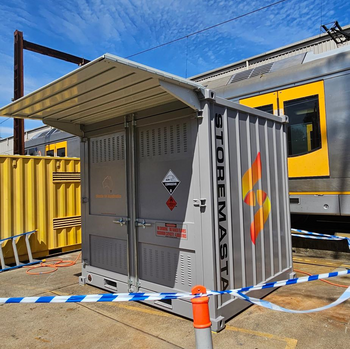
<point>252,198</point>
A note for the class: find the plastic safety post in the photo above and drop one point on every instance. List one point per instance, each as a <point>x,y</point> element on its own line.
<point>201,318</point>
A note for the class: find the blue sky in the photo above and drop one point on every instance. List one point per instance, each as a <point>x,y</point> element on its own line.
<point>90,28</point>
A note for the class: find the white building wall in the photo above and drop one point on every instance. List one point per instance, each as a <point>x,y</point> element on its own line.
<point>6,144</point>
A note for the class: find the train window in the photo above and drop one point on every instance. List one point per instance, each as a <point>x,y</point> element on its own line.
<point>304,134</point>
<point>61,152</point>
<point>42,134</point>
<point>268,108</point>
<point>266,102</point>
<point>50,152</point>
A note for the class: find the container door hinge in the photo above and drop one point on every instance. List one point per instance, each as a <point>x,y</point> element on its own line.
<point>200,114</point>
<point>133,286</point>
<point>209,94</point>
<point>200,202</point>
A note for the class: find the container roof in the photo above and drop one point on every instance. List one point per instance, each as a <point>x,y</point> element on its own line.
<point>103,89</point>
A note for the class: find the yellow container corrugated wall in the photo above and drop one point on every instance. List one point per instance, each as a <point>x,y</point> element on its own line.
<point>40,193</point>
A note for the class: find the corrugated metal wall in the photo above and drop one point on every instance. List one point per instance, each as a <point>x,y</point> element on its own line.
<point>40,193</point>
<point>256,189</point>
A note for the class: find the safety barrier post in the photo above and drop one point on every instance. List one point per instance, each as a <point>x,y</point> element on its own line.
<point>201,319</point>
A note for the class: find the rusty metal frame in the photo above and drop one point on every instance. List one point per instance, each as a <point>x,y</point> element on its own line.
<point>19,46</point>
<point>18,86</point>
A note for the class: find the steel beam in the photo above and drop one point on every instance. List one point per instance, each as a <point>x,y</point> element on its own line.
<point>18,124</point>
<point>30,46</point>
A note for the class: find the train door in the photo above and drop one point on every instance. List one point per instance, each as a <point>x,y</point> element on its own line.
<point>56,149</point>
<point>307,134</point>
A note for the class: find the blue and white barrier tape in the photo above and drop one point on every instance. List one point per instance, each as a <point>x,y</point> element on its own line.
<point>311,235</point>
<point>285,282</point>
<point>262,303</point>
<point>127,297</point>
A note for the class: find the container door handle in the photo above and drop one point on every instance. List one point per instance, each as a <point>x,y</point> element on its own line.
<point>142,224</point>
<point>122,221</point>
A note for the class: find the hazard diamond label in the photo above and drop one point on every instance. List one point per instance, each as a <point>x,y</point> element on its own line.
<point>171,203</point>
<point>170,182</point>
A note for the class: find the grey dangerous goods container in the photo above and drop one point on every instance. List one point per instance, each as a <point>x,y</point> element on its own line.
<point>179,187</point>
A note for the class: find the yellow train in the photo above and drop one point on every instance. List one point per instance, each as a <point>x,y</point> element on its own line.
<point>310,83</point>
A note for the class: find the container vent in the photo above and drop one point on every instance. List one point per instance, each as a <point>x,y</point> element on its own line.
<point>178,139</point>
<point>165,133</point>
<point>65,177</point>
<point>107,149</point>
<point>166,266</point>
<point>147,143</point>
<point>182,269</point>
<point>189,270</point>
<point>153,142</point>
<point>66,222</point>
<point>93,152</point>
<point>294,200</point>
<point>109,254</point>
<point>172,139</point>
<point>113,149</point>
<point>122,148</point>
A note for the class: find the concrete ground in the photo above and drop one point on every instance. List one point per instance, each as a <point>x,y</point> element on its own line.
<point>135,325</point>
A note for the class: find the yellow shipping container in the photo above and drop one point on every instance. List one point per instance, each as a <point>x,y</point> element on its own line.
<point>40,193</point>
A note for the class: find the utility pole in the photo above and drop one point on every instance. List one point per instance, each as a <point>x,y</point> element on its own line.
<point>20,45</point>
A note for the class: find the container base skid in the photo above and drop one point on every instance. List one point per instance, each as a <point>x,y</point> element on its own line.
<point>107,280</point>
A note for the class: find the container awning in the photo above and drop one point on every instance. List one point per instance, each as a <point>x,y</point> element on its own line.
<point>104,89</point>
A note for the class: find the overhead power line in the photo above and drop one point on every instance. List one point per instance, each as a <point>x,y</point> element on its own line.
<point>208,28</point>
<point>4,121</point>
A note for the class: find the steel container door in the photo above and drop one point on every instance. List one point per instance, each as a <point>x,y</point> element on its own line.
<point>107,220</point>
<point>168,240</point>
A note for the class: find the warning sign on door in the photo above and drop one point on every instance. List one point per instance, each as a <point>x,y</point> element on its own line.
<point>171,203</point>
<point>170,182</point>
<point>172,230</point>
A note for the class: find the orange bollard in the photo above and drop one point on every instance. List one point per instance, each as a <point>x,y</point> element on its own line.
<point>201,319</point>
